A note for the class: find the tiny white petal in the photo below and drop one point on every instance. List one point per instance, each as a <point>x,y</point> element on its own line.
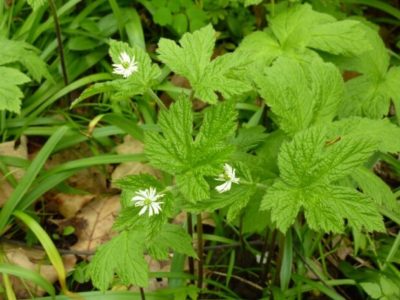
<point>229,177</point>
<point>226,186</point>
<point>143,210</point>
<point>124,57</point>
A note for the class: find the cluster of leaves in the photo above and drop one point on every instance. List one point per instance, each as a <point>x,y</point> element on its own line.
<point>12,55</point>
<point>320,165</point>
<point>187,15</point>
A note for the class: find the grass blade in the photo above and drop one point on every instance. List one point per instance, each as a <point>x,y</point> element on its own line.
<point>29,275</point>
<point>29,177</point>
<point>48,246</point>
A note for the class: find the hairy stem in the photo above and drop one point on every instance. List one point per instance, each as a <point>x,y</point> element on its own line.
<point>57,27</point>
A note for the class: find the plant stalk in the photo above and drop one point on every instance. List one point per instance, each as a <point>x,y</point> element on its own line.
<point>142,295</point>
<point>200,273</point>
<point>157,99</point>
<point>264,274</point>
<point>57,28</point>
<point>190,232</point>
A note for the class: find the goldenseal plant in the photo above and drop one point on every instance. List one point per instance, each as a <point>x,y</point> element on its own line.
<point>310,169</point>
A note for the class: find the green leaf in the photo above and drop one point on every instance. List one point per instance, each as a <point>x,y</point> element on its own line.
<point>172,237</point>
<point>26,54</point>
<point>10,94</point>
<point>311,157</point>
<point>123,256</point>
<point>309,166</point>
<point>299,30</point>
<point>292,27</point>
<point>192,60</point>
<point>35,4</point>
<point>301,94</point>
<point>370,93</point>
<point>340,38</point>
<point>373,186</point>
<point>190,160</point>
<point>382,132</point>
<point>170,152</point>
<point>325,207</point>
<point>251,2</point>
<point>283,203</point>
<point>262,46</point>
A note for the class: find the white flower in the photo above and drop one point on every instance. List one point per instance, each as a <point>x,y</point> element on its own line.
<point>127,65</point>
<point>148,200</point>
<point>229,176</point>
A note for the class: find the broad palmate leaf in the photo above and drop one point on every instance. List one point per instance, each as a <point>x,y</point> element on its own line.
<point>310,166</point>
<point>123,255</point>
<point>192,59</point>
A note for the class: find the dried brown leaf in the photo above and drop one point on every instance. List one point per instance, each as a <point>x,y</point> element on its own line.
<point>93,224</point>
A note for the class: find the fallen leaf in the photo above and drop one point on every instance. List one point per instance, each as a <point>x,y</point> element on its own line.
<point>35,260</point>
<point>93,224</point>
<point>69,205</point>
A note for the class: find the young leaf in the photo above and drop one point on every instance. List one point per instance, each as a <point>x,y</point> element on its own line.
<point>26,54</point>
<point>301,94</point>
<point>192,60</point>
<point>123,256</point>
<point>369,94</point>
<point>190,160</point>
<point>382,132</point>
<point>172,237</point>
<point>373,186</point>
<point>345,37</point>
<point>10,94</point>
<point>298,30</point>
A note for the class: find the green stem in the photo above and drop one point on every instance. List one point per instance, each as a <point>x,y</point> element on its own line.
<point>57,27</point>
<point>157,99</point>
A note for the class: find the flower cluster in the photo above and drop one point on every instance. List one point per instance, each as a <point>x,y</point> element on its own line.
<point>148,198</point>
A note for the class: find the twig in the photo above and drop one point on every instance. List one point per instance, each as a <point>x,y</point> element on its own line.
<point>255,285</point>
